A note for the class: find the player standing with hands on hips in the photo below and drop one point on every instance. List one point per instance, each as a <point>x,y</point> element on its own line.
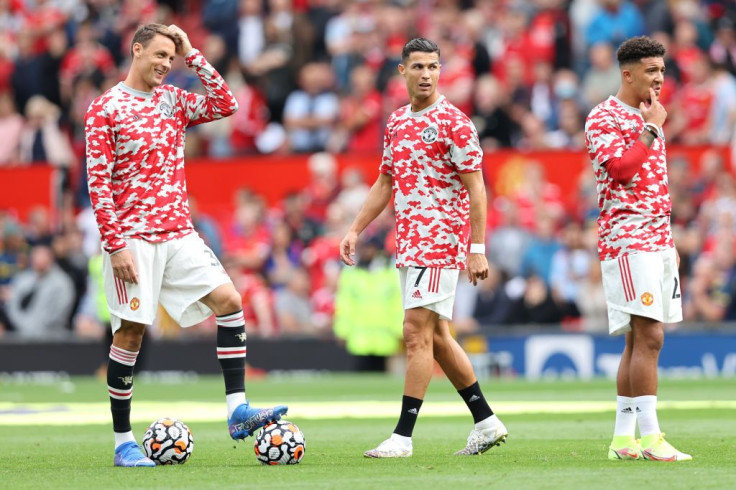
<point>638,257</point>
<point>135,135</point>
<point>432,164</point>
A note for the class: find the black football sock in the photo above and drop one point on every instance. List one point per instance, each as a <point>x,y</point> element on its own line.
<point>476,402</point>
<point>120,386</point>
<point>231,350</point>
<point>409,412</point>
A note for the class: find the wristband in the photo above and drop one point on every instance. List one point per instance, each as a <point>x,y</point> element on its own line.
<point>477,248</point>
<point>654,129</point>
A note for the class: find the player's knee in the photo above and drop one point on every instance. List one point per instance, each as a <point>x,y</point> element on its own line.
<point>129,336</point>
<point>416,337</point>
<point>229,303</point>
<point>651,339</point>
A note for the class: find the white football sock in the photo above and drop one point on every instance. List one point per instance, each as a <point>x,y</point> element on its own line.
<point>646,414</point>
<point>234,400</point>
<point>403,441</point>
<point>625,417</point>
<point>121,437</point>
<point>487,423</point>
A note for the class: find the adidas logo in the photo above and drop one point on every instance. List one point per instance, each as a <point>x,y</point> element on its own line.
<point>638,410</point>
<point>473,398</point>
<point>417,294</point>
<point>413,411</point>
<point>627,410</point>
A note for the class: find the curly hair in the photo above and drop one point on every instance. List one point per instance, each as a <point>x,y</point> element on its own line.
<point>637,48</point>
<point>419,44</point>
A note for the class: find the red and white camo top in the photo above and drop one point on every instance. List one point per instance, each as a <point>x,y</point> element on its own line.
<point>634,217</point>
<point>135,155</point>
<point>425,152</point>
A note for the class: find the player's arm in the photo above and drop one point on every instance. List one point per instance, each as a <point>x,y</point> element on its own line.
<point>625,167</point>
<point>477,261</point>
<point>377,199</point>
<point>218,102</point>
<point>100,150</point>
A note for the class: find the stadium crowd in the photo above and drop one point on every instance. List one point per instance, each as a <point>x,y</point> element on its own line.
<point>319,77</point>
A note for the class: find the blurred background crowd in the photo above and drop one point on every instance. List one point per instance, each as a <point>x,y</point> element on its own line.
<point>318,77</point>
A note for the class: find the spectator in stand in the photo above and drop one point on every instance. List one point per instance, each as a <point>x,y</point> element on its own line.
<point>259,309</point>
<point>68,254</point>
<point>509,241</point>
<point>284,258</point>
<point>13,252</point>
<point>11,128</point>
<point>723,49</point>
<point>591,303</point>
<point>710,291</point>
<point>602,78</point>
<point>470,39</point>
<point>691,123</point>
<point>542,102</point>
<point>293,307</point>
<point>87,57</point>
<point>360,125</point>
<point>42,140</point>
<point>251,31</point>
<point>570,267</point>
<point>570,134</point>
<point>311,112</point>
<point>535,306</point>
<point>304,229</point>
<point>247,242</point>
<point>614,22</point>
<point>543,246</point>
<point>723,108</point>
<point>705,183</point>
<point>458,77</point>
<point>493,305</point>
<point>40,299</point>
<point>323,187</point>
<point>251,119</point>
<point>492,120</point>
<point>679,178</point>
<point>38,230</point>
<point>353,191</point>
<point>27,80</point>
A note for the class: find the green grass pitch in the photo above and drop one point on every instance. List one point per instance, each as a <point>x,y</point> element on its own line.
<point>559,432</point>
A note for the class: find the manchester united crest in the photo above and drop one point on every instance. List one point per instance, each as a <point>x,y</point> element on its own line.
<point>135,303</point>
<point>647,299</point>
<point>166,109</point>
<point>430,133</point>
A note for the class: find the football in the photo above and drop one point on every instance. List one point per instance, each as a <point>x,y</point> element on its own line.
<point>168,441</point>
<point>280,443</point>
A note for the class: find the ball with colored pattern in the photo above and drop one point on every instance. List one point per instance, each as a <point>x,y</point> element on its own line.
<point>168,441</point>
<point>280,443</point>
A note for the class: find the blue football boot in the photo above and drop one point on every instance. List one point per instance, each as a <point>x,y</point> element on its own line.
<point>129,454</point>
<point>246,419</point>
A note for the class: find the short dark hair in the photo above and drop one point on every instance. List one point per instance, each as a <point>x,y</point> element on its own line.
<point>419,44</point>
<point>145,33</point>
<point>637,48</point>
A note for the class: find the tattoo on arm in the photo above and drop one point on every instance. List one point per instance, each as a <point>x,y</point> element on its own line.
<point>647,138</point>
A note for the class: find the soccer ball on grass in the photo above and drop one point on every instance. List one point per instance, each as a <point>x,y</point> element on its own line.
<point>280,443</point>
<point>168,441</point>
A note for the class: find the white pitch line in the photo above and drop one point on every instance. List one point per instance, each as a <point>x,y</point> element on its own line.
<point>144,411</point>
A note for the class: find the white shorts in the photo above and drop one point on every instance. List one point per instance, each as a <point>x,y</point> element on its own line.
<point>433,289</point>
<point>177,274</point>
<point>645,284</point>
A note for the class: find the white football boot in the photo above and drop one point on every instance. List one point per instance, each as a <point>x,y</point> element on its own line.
<point>481,440</point>
<point>393,447</point>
